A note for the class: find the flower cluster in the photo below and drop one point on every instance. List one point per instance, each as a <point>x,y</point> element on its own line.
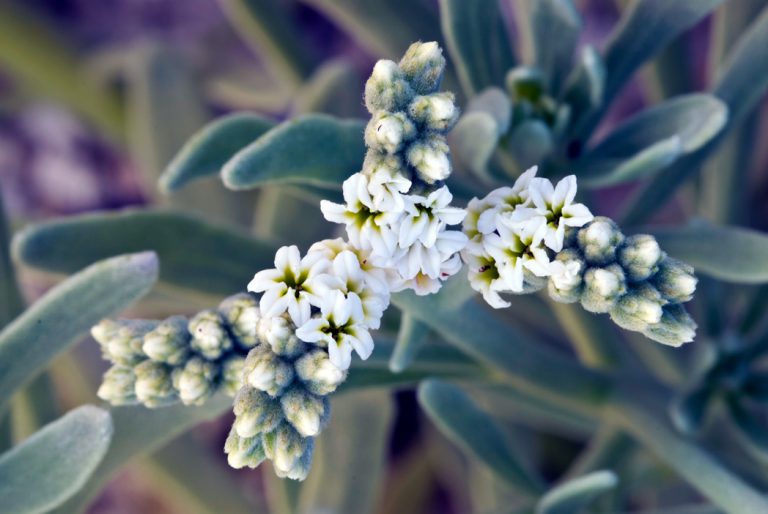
<point>532,235</point>
<point>157,363</point>
<point>397,207</point>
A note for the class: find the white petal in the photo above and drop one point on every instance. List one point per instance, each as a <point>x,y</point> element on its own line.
<point>264,280</point>
<point>340,356</point>
<point>274,301</point>
<point>311,331</point>
<point>333,212</point>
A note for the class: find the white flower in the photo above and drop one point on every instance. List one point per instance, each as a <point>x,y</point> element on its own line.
<point>475,208</point>
<point>340,325</point>
<point>555,203</point>
<point>484,276</point>
<point>426,216</point>
<point>565,275</point>
<point>418,258</point>
<point>517,248</point>
<point>290,286</point>
<point>422,284</point>
<point>377,277</point>
<point>385,182</point>
<point>505,200</point>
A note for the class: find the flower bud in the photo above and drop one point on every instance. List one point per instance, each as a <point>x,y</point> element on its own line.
<point>387,88</point>
<point>567,276</point>
<point>244,451</point>
<point>301,468</point>
<point>319,375</point>
<point>423,65</point>
<point>598,241</point>
<point>389,132</point>
<point>118,386</point>
<point>435,112</point>
<point>639,308</point>
<point>255,412</point>
<point>675,280</point>
<point>306,412</point>
<point>602,288</point>
<point>196,381</point>
<point>280,333</point>
<point>242,314</point>
<point>640,256</point>
<point>289,448</point>
<point>431,158</point>
<point>121,341</point>
<point>154,385</point>
<point>232,373</point>
<point>377,161</point>
<point>266,371</point>
<point>209,335</point>
<point>675,327</point>
<point>168,342</point>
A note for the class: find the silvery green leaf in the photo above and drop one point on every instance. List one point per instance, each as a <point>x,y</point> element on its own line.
<point>530,143</point>
<point>314,149</point>
<point>647,162</point>
<point>645,29</point>
<point>556,26</point>
<point>689,410</point>
<point>585,86</point>
<point>727,253</point>
<point>576,494</point>
<point>473,141</point>
<point>211,147</point>
<point>332,89</point>
<point>55,462</point>
<point>477,433</point>
<point>195,254</point>
<point>67,312</point>
<point>410,338</point>
<point>140,431</point>
<point>477,41</point>
<point>495,102</point>
<point>750,431</point>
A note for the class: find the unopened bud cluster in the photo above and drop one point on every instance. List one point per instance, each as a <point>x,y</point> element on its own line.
<point>157,363</point>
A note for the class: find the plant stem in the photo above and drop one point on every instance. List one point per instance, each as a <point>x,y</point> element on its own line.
<point>588,337</point>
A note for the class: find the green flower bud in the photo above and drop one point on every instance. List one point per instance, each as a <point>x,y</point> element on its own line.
<point>118,386</point>
<point>389,132</point>
<point>435,112</point>
<point>525,84</point>
<point>266,371</point>
<point>675,280</point>
<point>168,342</point>
<point>387,88</point>
<point>280,334</point>
<point>232,373</point>
<point>289,449</point>
<point>121,341</point>
<point>209,335</point>
<point>306,412</point>
<point>602,288</point>
<point>301,468</point>
<point>431,158</point>
<point>640,256</point>
<point>423,65</point>
<point>154,385</point>
<point>196,381</point>
<point>244,451</point>
<point>242,314</point>
<point>675,327</point>
<point>567,278</point>
<point>319,375</point>
<point>598,241</point>
<point>255,412</point>
<point>639,308</point>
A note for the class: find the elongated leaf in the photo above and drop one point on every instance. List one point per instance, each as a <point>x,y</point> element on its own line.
<point>645,29</point>
<point>553,55</point>
<point>54,463</point>
<point>410,338</point>
<point>211,147</point>
<point>473,141</point>
<point>477,41</point>
<point>139,431</point>
<point>727,253</point>
<point>576,494</point>
<point>476,432</point>
<point>195,254</point>
<point>332,89</point>
<point>689,410</point>
<point>11,302</point>
<point>314,149</point>
<point>585,86</point>
<point>67,312</point>
<point>647,162</point>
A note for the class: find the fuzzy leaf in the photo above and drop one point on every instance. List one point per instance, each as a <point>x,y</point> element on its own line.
<point>553,55</point>
<point>477,41</point>
<point>727,253</point>
<point>530,143</point>
<point>67,312</point>
<point>55,462</point>
<point>576,494</point>
<point>211,147</point>
<point>332,89</point>
<point>410,338</point>
<point>585,86</point>
<point>456,415</point>
<point>315,149</point>
<point>194,254</point>
<point>647,162</point>
<point>474,140</point>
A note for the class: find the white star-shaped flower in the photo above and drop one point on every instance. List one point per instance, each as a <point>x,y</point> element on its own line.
<point>377,277</point>
<point>555,203</point>
<point>516,248</point>
<point>419,258</point>
<point>565,275</point>
<point>505,200</point>
<point>385,183</point>
<point>426,216</point>
<point>484,276</point>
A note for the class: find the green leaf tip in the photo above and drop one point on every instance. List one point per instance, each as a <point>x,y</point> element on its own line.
<point>576,494</point>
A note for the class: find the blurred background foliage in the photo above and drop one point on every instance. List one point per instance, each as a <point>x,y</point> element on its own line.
<point>99,99</point>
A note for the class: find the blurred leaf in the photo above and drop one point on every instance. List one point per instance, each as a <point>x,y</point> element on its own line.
<point>727,253</point>
<point>267,28</point>
<point>244,91</point>
<point>211,147</point>
<point>67,312</point>
<point>603,172</point>
<point>576,494</point>
<point>751,432</point>
<point>282,495</point>
<point>645,29</point>
<point>332,89</point>
<point>554,55</point>
<point>34,406</point>
<point>473,141</point>
<point>475,432</point>
<point>530,143</point>
<point>313,149</point>
<point>689,410</point>
<point>194,254</point>
<point>410,339</point>
<point>585,86</point>
<point>587,333</point>
<point>11,302</point>
<point>54,463</point>
<point>140,431</point>
<point>477,40</point>
<point>351,456</point>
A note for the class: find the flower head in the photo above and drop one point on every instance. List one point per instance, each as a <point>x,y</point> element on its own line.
<point>555,204</point>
